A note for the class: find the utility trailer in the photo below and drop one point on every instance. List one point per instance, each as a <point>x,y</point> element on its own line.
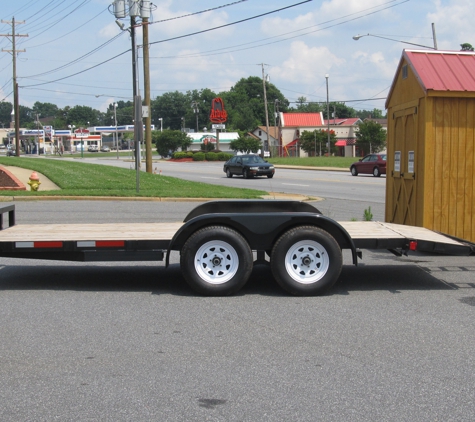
<point>217,239</point>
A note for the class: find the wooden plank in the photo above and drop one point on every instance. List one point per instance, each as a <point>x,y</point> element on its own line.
<point>379,230</point>
<point>81,232</point>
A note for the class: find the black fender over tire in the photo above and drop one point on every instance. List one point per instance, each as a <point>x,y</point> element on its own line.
<point>306,261</point>
<point>216,261</point>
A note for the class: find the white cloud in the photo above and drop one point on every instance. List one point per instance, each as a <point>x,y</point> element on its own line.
<point>375,61</point>
<point>306,64</point>
<point>453,22</point>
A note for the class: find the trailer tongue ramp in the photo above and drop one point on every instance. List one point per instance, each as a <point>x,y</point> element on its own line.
<point>394,237</point>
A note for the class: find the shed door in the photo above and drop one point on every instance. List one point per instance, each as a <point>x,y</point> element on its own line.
<point>404,173</point>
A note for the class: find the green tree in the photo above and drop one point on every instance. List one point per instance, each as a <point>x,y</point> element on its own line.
<point>83,116</point>
<point>5,113</point>
<point>466,47</point>
<point>124,113</point>
<point>45,110</point>
<point>303,106</point>
<point>245,144</point>
<point>168,141</point>
<point>172,107</point>
<point>372,114</point>
<point>370,137</point>
<point>317,140</point>
<point>244,103</point>
<point>339,111</point>
<point>203,99</point>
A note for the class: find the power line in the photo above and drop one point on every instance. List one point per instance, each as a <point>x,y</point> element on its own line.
<point>234,48</point>
<point>231,23</point>
<point>80,58</point>
<point>118,55</point>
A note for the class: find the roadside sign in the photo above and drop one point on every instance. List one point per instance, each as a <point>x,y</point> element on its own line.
<point>218,126</point>
<point>81,133</point>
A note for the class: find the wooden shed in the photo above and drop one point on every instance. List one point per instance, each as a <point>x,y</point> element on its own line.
<point>430,178</point>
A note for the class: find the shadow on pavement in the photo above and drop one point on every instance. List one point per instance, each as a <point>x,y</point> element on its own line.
<point>160,280</point>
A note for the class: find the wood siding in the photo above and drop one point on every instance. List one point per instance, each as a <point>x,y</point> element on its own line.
<point>441,194</point>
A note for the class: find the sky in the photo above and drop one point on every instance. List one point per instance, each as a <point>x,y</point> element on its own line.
<point>76,54</point>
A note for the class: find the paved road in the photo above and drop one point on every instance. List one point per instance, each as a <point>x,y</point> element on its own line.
<point>392,341</point>
<point>341,192</point>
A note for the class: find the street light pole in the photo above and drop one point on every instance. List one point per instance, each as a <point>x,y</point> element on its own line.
<point>196,110</point>
<point>328,115</point>
<point>357,37</point>
<point>115,130</point>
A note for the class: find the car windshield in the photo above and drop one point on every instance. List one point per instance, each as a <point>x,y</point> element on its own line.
<point>254,159</point>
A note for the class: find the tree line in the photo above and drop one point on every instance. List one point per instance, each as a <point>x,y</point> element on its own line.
<point>175,110</point>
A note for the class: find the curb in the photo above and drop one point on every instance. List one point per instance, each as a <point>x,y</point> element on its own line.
<point>269,197</point>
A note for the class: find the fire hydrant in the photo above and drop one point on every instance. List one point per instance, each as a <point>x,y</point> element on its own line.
<point>34,181</point>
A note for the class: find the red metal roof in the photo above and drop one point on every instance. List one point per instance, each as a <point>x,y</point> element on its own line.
<point>302,119</point>
<point>443,70</point>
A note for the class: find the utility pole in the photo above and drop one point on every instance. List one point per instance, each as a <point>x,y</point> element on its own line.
<point>266,143</point>
<point>146,86</point>
<point>16,106</point>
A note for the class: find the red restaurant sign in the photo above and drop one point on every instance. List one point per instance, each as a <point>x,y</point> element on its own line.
<point>218,113</point>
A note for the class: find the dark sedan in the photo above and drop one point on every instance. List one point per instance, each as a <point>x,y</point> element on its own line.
<point>374,164</point>
<point>248,166</point>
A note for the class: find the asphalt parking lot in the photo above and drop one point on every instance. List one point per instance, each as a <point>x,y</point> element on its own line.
<point>392,341</point>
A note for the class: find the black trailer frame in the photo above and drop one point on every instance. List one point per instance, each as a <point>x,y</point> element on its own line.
<point>216,241</point>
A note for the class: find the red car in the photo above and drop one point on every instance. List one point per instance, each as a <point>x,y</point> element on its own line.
<point>374,164</point>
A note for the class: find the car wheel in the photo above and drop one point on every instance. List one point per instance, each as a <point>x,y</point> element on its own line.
<point>306,261</point>
<point>216,261</point>
<point>376,172</point>
<point>270,176</point>
<point>228,173</point>
<point>354,172</point>
<point>245,174</point>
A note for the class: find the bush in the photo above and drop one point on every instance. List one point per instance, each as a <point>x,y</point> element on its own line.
<point>224,156</point>
<point>180,154</point>
<point>211,156</point>
<point>199,156</point>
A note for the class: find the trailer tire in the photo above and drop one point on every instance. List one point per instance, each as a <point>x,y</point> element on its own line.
<point>306,261</point>
<point>216,261</point>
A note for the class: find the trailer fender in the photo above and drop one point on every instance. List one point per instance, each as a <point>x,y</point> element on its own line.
<point>261,230</point>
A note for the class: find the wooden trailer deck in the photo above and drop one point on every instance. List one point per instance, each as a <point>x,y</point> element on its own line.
<point>380,235</point>
<point>85,232</point>
<point>365,234</point>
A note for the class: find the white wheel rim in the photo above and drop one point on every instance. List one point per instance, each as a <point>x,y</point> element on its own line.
<point>307,261</point>
<point>216,262</point>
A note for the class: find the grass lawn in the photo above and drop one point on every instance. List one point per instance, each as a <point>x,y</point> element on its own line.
<point>339,162</point>
<point>83,179</point>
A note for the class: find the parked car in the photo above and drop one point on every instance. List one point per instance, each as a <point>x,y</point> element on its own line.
<point>105,148</point>
<point>93,148</point>
<point>248,165</point>
<point>374,164</point>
